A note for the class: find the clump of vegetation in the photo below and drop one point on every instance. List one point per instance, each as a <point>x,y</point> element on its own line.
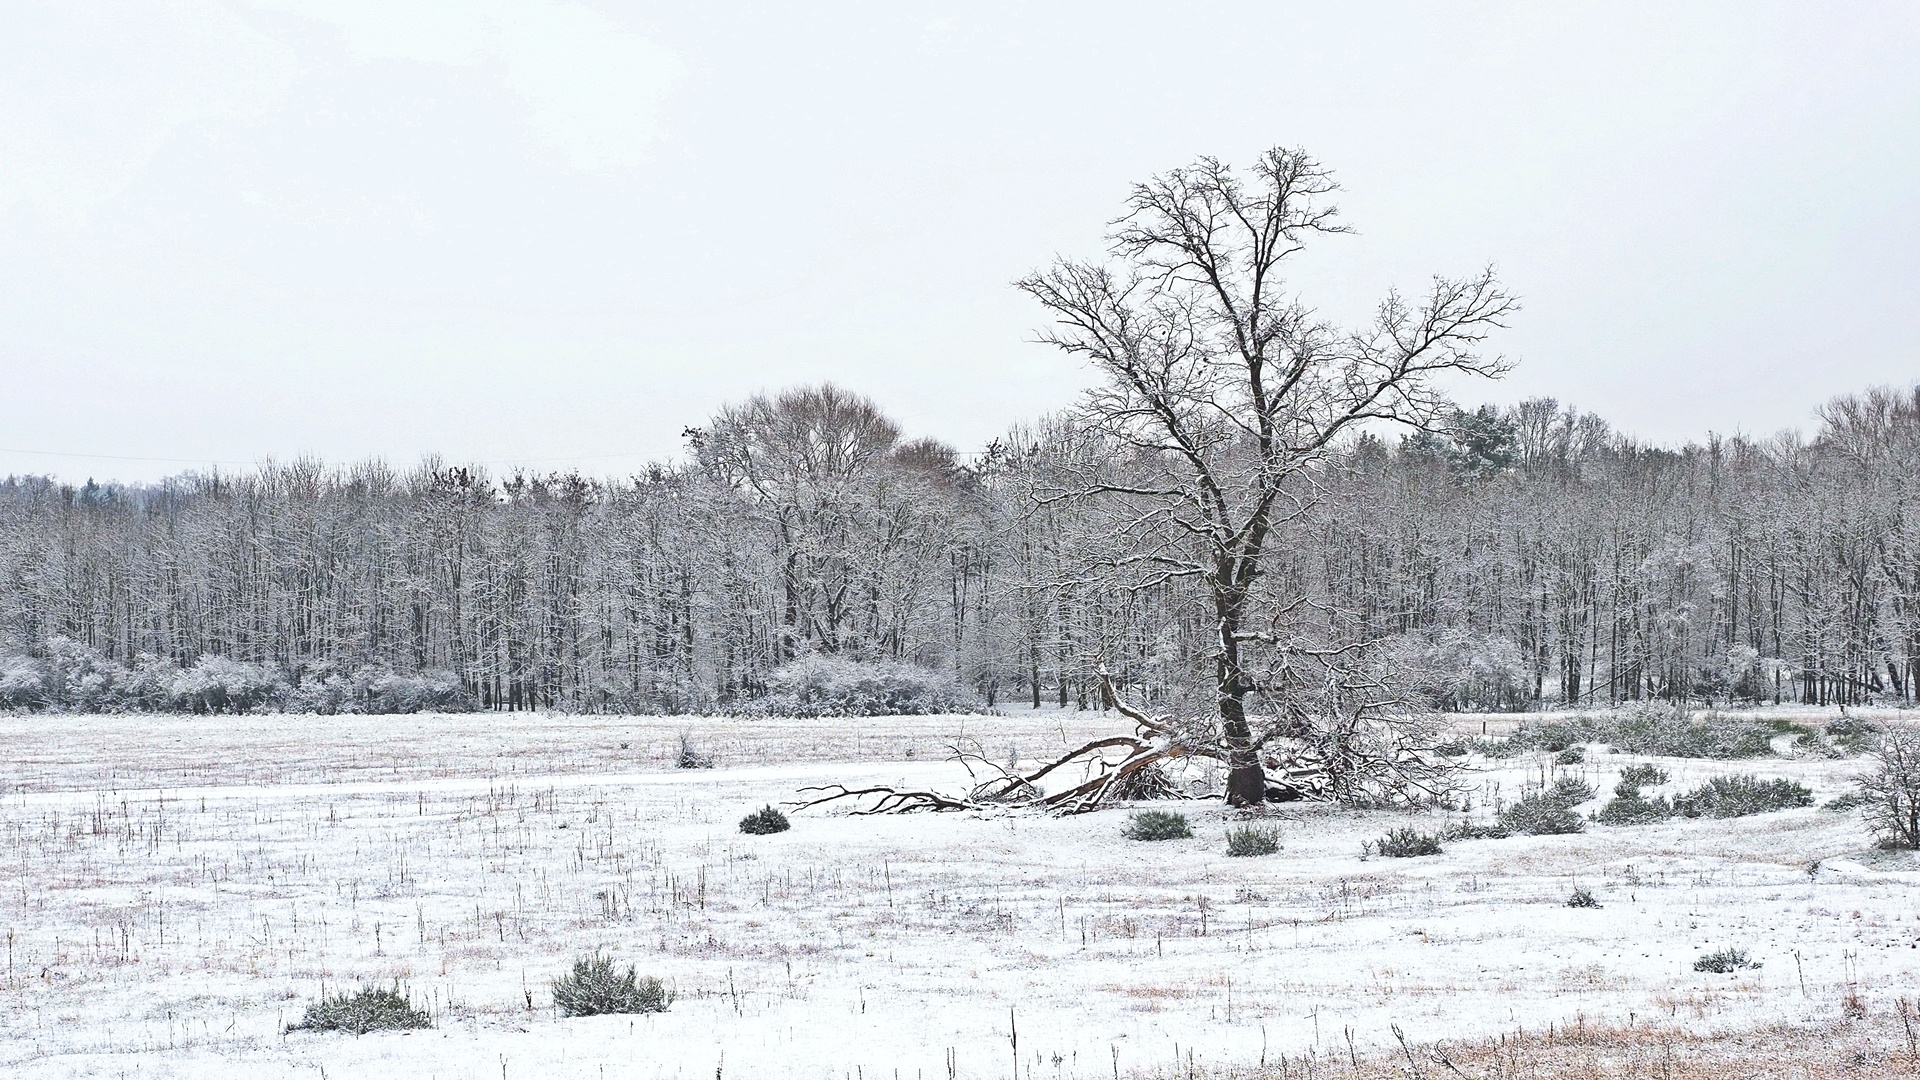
<point>1549,812</point>
<point>368,1009</point>
<point>1635,777</point>
<point>1572,755</point>
<point>1720,797</point>
<point>595,988</point>
<point>1740,796</point>
<point>1252,840</point>
<point>1477,830</point>
<point>1890,793</point>
<point>1582,898</point>
<point>1628,806</point>
<point>691,756</point>
<point>1631,808</point>
<point>1852,735</point>
<point>1158,825</point>
<point>1403,843</point>
<point>1656,729</point>
<point>764,822</point>
<point>834,686</point>
<point>1725,962</point>
<point>1840,804</point>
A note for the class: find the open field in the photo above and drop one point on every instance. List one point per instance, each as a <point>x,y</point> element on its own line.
<point>174,891</point>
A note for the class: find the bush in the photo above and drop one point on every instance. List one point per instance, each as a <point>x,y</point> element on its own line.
<point>1654,729</point>
<point>1582,898</point>
<point>369,1009</point>
<point>1852,735</point>
<point>1572,755</point>
<point>1739,796</point>
<point>1549,812</point>
<point>594,988</point>
<point>1890,793</point>
<point>1635,777</point>
<point>692,757</point>
<point>1840,804</point>
<point>1724,962</point>
<point>1252,840</point>
<point>764,822</point>
<point>1478,830</point>
<point>76,677</point>
<point>1158,825</point>
<point>832,686</point>
<point>1630,808</point>
<point>1404,843</point>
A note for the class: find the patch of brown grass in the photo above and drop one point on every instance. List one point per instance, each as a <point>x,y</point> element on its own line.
<point>1859,1049</point>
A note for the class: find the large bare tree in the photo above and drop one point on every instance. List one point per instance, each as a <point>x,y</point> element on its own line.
<point>1225,390</point>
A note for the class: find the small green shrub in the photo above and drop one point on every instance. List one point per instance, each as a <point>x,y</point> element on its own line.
<point>1739,796</point>
<point>1582,898</point>
<point>594,988</point>
<point>1631,808</point>
<point>1840,804</point>
<point>1572,755</point>
<point>1406,843</point>
<point>369,1009</point>
<point>1852,735</point>
<point>1158,825</point>
<point>764,822</point>
<point>1724,962</point>
<point>1636,777</point>
<point>1252,840</point>
<point>1549,812</point>
<point>1477,830</point>
<point>1653,728</point>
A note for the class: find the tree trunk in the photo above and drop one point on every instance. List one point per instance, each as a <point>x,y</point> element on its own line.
<point>1246,779</point>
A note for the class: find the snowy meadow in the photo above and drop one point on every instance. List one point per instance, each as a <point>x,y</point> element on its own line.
<point>178,892</point>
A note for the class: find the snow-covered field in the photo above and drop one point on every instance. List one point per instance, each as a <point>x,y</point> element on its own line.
<point>174,891</point>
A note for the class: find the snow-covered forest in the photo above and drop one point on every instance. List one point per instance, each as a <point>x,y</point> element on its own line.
<point>1518,558</point>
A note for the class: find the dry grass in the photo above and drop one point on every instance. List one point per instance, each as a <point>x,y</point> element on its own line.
<point>1861,1049</point>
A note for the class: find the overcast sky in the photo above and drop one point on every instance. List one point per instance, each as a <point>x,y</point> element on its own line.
<point>555,234</point>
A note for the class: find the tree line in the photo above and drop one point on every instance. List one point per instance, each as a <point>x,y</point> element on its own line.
<point>1510,558</point>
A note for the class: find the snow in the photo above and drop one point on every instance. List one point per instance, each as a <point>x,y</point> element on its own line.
<point>176,890</point>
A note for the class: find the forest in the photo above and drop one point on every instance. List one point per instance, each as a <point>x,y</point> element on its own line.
<point>1513,558</point>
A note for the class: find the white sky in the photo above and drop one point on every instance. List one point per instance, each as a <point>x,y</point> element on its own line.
<point>524,231</point>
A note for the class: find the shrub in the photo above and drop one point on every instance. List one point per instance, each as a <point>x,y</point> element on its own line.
<point>1890,792</point>
<point>1536,816</point>
<point>1549,812</point>
<point>594,988</point>
<point>1630,808</point>
<point>764,822</point>
<point>832,686</point>
<point>1404,843</point>
<point>1158,825</point>
<point>1840,804</point>
<point>1635,777</point>
<point>1251,840</point>
<point>692,757</point>
<point>1478,830</point>
<point>1724,961</point>
<point>1739,796</point>
<point>1852,735</point>
<point>369,1009</point>
<point>1582,898</point>
<point>1655,729</point>
<point>1572,755</point>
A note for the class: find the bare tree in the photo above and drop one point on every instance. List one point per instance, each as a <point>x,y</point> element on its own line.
<point>1226,390</point>
<point>1892,789</point>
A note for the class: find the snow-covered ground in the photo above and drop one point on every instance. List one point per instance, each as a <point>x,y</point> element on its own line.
<point>174,891</point>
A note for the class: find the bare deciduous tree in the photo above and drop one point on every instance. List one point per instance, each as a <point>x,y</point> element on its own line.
<point>1225,390</point>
